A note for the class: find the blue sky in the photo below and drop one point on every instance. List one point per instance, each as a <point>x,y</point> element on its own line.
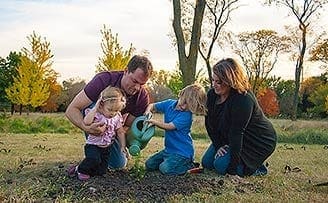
<point>73,29</point>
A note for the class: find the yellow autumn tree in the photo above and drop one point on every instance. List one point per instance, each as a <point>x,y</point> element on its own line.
<point>28,88</point>
<point>31,87</point>
<point>114,57</point>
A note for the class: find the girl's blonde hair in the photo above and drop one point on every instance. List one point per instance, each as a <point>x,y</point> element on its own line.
<point>195,97</point>
<point>113,98</point>
<point>231,73</point>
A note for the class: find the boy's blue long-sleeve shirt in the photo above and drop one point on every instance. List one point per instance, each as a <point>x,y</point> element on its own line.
<point>177,141</point>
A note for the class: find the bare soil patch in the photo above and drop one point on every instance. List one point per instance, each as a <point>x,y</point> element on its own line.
<point>153,187</point>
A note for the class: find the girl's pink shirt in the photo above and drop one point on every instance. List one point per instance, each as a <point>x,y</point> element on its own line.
<point>112,124</point>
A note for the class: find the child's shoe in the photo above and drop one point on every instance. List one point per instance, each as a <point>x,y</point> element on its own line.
<point>71,171</point>
<point>83,176</point>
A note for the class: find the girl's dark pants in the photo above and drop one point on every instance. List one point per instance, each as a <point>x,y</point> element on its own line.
<point>96,160</point>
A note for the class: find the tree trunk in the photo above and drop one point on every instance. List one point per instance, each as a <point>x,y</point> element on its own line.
<point>209,70</point>
<point>12,109</point>
<point>20,109</point>
<point>187,64</point>
<point>298,71</point>
<point>28,109</point>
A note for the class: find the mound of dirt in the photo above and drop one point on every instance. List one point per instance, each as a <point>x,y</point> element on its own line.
<point>153,187</point>
<point>52,184</point>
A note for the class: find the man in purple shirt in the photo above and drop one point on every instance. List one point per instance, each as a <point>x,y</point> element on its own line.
<point>131,81</point>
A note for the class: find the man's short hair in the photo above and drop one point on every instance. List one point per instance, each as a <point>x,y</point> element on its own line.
<point>141,62</point>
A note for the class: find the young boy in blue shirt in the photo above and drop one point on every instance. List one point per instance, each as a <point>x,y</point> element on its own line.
<point>178,155</point>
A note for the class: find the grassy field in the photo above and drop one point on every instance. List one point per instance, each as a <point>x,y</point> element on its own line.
<point>35,151</point>
<point>32,168</point>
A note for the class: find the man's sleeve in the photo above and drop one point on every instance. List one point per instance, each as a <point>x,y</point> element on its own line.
<point>95,86</point>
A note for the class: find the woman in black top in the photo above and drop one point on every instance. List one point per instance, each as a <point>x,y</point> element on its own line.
<point>242,137</point>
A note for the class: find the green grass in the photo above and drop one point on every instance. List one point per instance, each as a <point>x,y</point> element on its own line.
<point>301,131</point>
<point>297,132</point>
<point>37,123</point>
<point>35,150</point>
<point>29,163</point>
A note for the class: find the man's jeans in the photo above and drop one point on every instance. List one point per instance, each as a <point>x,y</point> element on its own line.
<point>116,158</point>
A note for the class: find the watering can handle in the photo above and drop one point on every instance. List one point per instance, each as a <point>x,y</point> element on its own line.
<point>148,116</point>
<point>145,124</point>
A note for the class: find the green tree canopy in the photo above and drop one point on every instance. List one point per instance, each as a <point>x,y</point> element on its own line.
<point>319,99</point>
<point>8,70</point>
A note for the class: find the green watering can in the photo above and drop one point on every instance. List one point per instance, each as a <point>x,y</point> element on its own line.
<point>139,134</point>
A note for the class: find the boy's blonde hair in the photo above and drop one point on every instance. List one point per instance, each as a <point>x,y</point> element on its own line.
<point>113,98</point>
<point>195,97</point>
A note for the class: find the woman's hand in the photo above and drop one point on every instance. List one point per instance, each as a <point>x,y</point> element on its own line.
<point>221,151</point>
